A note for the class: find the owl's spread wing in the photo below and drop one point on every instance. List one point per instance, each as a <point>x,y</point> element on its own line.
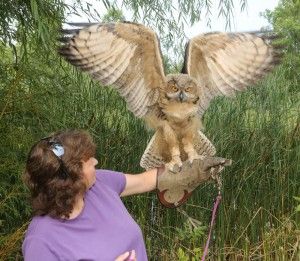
<point>125,55</point>
<point>224,63</point>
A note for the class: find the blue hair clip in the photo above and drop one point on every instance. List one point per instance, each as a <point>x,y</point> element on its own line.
<point>58,150</point>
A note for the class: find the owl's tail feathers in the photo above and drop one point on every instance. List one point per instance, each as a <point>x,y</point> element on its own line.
<point>203,145</point>
<point>152,157</point>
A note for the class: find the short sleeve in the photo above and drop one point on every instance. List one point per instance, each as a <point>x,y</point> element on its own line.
<point>35,249</point>
<point>113,179</point>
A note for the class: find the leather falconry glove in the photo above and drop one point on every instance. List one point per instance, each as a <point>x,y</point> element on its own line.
<point>173,189</point>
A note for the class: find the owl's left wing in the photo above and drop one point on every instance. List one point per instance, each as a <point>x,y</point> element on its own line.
<point>124,55</point>
<point>224,63</point>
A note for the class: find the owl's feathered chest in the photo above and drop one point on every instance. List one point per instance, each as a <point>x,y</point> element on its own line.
<point>179,116</point>
<point>178,112</point>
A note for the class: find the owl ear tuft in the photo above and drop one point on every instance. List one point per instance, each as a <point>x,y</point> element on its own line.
<point>172,82</point>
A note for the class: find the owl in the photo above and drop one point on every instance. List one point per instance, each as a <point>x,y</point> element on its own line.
<point>127,56</point>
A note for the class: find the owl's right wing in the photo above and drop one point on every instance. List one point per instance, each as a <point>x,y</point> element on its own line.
<point>124,55</point>
<point>225,63</point>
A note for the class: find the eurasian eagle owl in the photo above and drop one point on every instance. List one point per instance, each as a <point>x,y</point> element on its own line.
<point>128,57</point>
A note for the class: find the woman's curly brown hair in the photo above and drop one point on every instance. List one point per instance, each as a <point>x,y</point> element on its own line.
<point>54,183</point>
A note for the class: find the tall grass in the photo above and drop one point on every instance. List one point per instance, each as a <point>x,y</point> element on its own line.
<point>259,131</point>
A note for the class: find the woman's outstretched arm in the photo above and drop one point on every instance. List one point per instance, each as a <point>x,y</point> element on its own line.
<point>140,183</point>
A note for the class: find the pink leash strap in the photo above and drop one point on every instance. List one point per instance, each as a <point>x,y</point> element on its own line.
<point>212,222</point>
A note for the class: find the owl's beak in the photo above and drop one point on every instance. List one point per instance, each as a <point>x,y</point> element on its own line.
<point>181,96</point>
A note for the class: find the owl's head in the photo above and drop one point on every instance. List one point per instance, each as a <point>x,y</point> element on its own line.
<point>182,88</point>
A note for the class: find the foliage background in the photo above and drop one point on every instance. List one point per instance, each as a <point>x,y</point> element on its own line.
<point>259,130</point>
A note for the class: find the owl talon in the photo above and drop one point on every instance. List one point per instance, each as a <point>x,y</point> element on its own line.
<point>173,168</point>
<point>175,165</point>
<point>178,168</point>
<point>170,167</point>
<point>194,156</point>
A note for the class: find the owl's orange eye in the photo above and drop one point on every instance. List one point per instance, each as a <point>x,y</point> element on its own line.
<point>174,88</point>
<point>188,89</point>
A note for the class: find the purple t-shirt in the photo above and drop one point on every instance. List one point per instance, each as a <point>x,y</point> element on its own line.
<point>102,231</point>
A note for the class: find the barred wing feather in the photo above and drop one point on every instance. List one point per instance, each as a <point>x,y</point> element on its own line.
<point>224,63</point>
<point>125,55</point>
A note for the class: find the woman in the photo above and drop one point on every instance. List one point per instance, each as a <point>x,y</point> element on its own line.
<point>78,213</point>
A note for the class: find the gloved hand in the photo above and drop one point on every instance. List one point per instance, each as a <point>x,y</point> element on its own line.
<point>173,189</point>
